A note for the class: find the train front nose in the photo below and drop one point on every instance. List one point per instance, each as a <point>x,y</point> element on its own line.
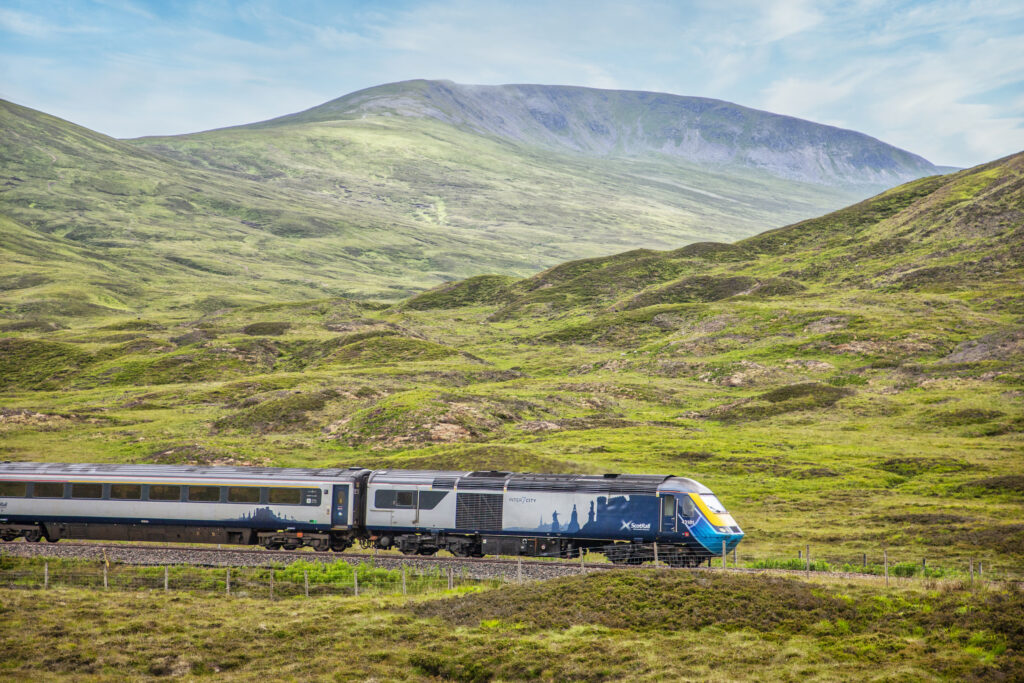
<point>719,525</point>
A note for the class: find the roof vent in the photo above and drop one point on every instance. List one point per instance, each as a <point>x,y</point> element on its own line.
<point>610,476</point>
<point>488,473</point>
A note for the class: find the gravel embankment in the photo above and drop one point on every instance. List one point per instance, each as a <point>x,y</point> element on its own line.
<point>142,555</point>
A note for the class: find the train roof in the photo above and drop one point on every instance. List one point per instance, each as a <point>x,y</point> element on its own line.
<point>174,471</point>
<point>525,481</point>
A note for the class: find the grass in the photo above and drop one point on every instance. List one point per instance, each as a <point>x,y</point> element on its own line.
<point>647,625</point>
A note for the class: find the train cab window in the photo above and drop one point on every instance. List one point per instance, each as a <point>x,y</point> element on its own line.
<point>47,489</point>
<point>87,490</point>
<point>13,489</point>
<point>686,506</point>
<point>243,494</point>
<point>405,499</point>
<point>204,494</point>
<point>386,499</point>
<point>126,491</point>
<point>164,492</point>
<point>282,496</point>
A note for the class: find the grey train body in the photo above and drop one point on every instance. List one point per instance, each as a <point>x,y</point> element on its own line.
<point>418,512</point>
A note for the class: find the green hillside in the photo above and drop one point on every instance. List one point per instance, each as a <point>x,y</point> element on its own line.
<point>363,198</point>
<point>852,381</point>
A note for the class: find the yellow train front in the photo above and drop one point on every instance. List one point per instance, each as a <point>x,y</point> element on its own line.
<point>694,517</point>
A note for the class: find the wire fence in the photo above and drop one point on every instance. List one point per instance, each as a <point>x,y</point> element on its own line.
<point>297,580</point>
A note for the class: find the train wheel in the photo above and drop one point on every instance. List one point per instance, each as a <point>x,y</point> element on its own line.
<point>34,536</point>
<point>290,546</point>
<point>8,536</point>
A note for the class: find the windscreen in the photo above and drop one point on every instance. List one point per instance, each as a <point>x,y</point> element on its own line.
<point>712,502</point>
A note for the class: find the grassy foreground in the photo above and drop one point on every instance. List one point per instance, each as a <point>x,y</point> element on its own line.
<point>649,625</point>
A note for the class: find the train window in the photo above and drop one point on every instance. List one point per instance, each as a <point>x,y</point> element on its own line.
<point>712,502</point>
<point>204,494</point>
<point>87,490</point>
<point>389,499</point>
<point>13,489</point>
<point>430,499</point>
<point>164,492</point>
<point>243,494</point>
<point>126,491</point>
<point>668,506</point>
<point>285,496</point>
<point>48,489</point>
<point>341,497</point>
<point>688,509</point>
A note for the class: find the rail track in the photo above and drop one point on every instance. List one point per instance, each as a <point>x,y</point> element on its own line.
<point>482,567</point>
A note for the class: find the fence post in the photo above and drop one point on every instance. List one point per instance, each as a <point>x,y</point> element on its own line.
<point>723,554</point>
<point>519,569</point>
<point>355,582</point>
<point>655,553</point>
<point>583,568</point>
<point>46,575</point>
<point>972,573</point>
<point>227,582</point>
<point>924,563</point>
<point>885,561</point>
<point>305,581</point>
<point>451,578</point>
<point>271,583</point>
<point>403,580</point>
<point>808,566</point>
<point>864,560</point>
<point>734,562</point>
<point>165,579</point>
<point>105,576</point>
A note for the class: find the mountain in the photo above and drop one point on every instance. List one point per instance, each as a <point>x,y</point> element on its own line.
<point>368,197</point>
<point>634,124</point>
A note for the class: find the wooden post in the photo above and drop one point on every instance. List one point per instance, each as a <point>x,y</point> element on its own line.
<point>519,569</point>
<point>271,583</point>
<point>355,582</point>
<point>924,563</point>
<point>451,578</point>
<point>734,562</point>
<point>46,575</point>
<point>885,561</point>
<point>808,571</point>
<point>655,553</point>
<point>305,581</point>
<point>972,573</point>
<point>105,585</point>
<point>583,569</point>
<point>166,586</point>
<point>404,592</point>
<point>227,581</point>
<point>864,560</point>
<point>723,554</point>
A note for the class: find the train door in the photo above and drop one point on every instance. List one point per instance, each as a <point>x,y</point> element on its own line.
<point>405,509</point>
<point>340,503</point>
<point>668,514</point>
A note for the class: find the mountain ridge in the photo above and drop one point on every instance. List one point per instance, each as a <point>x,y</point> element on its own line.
<point>631,122</point>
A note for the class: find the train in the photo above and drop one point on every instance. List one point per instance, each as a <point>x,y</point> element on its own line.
<point>419,512</point>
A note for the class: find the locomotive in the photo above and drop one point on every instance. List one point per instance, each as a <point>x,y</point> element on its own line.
<point>469,514</point>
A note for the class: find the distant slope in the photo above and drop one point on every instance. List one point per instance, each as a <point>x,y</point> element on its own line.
<point>371,203</point>
<point>944,233</point>
<point>608,123</point>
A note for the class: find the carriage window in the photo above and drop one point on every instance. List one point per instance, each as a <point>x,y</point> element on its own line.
<point>13,489</point>
<point>243,494</point>
<point>388,499</point>
<point>164,492</point>
<point>285,496</point>
<point>204,494</point>
<point>48,489</point>
<point>87,490</point>
<point>126,491</point>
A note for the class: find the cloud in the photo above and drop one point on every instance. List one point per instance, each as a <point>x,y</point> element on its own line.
<point>941,78</point>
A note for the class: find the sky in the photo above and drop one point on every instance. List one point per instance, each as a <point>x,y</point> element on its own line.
<point>941,79</point>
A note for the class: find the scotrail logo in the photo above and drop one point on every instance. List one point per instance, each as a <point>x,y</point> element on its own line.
<point>635,526</point>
